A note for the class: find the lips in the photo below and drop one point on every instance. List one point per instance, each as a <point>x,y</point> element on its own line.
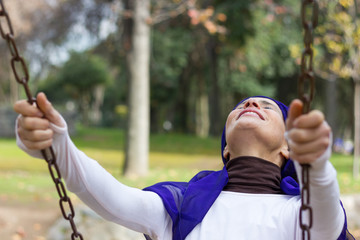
<point>251,111</point>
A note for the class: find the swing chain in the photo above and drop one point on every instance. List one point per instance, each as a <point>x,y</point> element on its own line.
<point>48,154</point>
<point>307,77</point>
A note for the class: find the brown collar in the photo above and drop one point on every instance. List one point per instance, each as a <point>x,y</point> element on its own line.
<point>253,175</point>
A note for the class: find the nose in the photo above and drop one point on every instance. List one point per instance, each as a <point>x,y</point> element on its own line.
<point>252,103</point>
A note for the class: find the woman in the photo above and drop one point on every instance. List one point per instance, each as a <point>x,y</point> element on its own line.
<point>255,195</point>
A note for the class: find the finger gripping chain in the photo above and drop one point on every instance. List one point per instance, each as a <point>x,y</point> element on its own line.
<point>21,74</point>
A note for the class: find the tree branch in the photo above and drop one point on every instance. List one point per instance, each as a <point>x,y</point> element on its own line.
<point>169,11</point>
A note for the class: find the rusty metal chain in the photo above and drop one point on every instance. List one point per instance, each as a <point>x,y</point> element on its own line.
<point>21,74</point>
<point>307,81</point>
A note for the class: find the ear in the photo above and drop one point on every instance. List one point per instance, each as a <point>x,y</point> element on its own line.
<point>284,151</point>
<point>226,153</point>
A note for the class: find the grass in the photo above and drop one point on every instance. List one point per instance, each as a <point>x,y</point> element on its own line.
<point>173,157</point>
<point>344,167</point>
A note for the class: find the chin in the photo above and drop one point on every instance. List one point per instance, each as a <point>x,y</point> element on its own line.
<point>248,124</point>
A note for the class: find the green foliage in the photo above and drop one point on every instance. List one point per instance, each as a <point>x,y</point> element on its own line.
<point>76,80</point>
<point>264,61</point>
<point>246,85</point>
<point>77,77</point>
<point>169,56</point>
<point>115,95</point>
<point>259,53</point>
<point>240,22</point>
<point>53,88</point>
<point>82,72</point>
<point>268,51</point>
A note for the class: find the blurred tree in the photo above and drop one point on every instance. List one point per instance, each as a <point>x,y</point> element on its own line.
<point>138,56</point>
<point>137,20</point>
<point>261,61</point>
<point>212,30</point>
<point>341,60</point>
<point>206,54</point>
<point>83,77</point>
<point>23,22</point>
<point>167,63</point>
<point>46,29</point>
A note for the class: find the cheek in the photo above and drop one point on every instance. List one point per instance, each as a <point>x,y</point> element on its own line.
<point>232,115</point>
<point>276,120</point>
<point>230,123</point>
<point>279,128</point>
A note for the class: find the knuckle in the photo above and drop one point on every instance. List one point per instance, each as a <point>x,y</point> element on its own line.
<point>37,135</point>
<point>325,143</point>
<point>47,143</point>
<point>50,142</point>
<point>318,116</point>
<point>32,123</point>
<point>299,136</point>
<point>294,135</point>
<point>18,106</point>
<point>27,122</point>
<point>30,145</point>
<point>51,133</point>
<point>303,136</point>
<point>327,129</point>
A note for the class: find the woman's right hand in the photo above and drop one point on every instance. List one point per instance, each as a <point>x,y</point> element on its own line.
<point>34,123</point>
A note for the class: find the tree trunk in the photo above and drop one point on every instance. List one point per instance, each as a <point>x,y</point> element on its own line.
<point>96,114</point>
<point>354,55</point>
<point>331,104</point>
<point>84,108</point>
<point>137,148</point>
<point>214,101</point>
<point>181,119</point>
<point>202,109</point>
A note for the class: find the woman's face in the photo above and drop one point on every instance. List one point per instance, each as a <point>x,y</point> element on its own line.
<point>256,123</point>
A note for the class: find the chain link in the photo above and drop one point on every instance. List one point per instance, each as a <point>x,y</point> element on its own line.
<point>307,81</point>
<point>21,74</point>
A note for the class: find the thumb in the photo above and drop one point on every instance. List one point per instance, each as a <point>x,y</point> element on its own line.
<point>50,113</point>
<point>295,110</point>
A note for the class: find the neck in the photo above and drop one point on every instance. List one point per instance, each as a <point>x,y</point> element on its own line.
<point>274,157</point>
<point>253,175</point>
<point>253,143</point>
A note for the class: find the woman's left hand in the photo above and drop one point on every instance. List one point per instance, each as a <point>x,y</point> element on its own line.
<point>308,134</point>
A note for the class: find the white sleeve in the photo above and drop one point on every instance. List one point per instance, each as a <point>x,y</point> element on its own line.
<point>328,215</point>
<point>142,211</point>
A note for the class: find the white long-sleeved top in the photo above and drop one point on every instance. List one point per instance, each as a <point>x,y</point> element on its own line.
<point>233,216</point>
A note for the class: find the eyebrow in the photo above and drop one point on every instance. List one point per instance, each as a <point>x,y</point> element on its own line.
<point>266,103</point>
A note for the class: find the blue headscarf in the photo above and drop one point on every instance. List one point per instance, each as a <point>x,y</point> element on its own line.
<point>188,202</point>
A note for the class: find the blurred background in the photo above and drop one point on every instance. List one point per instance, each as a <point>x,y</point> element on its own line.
<point>191,61</point>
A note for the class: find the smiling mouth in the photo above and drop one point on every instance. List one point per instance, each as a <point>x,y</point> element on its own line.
<point>251,113</point>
